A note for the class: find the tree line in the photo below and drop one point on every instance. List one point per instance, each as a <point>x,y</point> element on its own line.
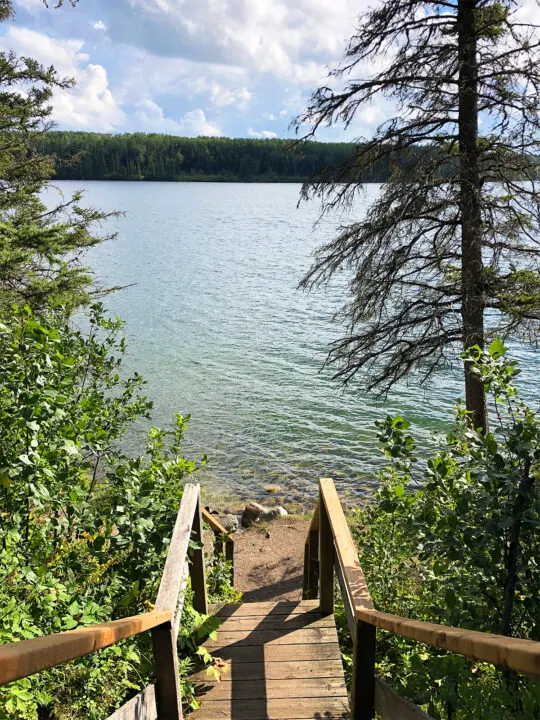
<point>141,156</point>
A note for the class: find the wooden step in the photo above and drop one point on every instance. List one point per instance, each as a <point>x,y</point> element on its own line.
<point>284,664</point>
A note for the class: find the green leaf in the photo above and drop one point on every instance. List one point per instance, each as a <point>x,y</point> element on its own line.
<point>497,348</point>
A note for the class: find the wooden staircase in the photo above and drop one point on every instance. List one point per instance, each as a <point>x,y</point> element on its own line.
<point>284,663</point>
<point>284,657</point>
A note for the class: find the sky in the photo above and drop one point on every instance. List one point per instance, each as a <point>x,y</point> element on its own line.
<point>238,68</point>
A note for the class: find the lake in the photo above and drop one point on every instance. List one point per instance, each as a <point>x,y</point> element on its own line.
<point>218,329</point>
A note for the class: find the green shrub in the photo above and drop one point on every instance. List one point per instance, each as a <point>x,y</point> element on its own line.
<point>84,527</point>
<point>456,541</point>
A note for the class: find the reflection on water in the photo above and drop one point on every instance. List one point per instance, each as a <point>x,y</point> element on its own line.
<point>218,329</point>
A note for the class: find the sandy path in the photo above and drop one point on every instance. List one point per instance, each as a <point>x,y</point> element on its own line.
<point>271,568</point>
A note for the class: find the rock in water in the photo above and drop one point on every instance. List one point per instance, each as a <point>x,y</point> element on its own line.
<point>251,514</point>
<point>273,488</point>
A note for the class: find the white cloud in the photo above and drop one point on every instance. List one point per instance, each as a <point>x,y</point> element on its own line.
<point>91,103</point>
<point>283,113</point>
<point>99,25</point>
<point>151,118</point>
<point>267,134</point>
<point>219,94</point>
<point>292,39</point>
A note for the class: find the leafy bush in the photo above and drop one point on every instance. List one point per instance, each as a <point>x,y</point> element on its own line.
<point>84,527</point>
<point>457,542</point>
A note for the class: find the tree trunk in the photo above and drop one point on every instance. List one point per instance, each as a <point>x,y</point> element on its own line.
<point>472,270</point>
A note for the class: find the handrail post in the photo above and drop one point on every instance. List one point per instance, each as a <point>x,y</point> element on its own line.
<point>168,693</point>
<point>326,559</point>
<point>229,556</point>
<point>198,578</point>
<point>363,672</point>
<point>310,589</point>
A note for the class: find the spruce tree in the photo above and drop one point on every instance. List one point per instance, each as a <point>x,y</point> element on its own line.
<point>40,246</point>
<point>447,254</point>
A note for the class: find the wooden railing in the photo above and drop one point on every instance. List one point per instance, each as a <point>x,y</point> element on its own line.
<point>329,547</point>
<point>162,700</point>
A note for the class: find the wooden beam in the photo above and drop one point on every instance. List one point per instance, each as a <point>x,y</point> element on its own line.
<point>326,561</point>
<point>391,706</point>
<point>216,526</point>
<point>20,659</point>
<point>198,578</point>
<point>516,653</point>
<point>168,692</point>
<point>141,707</point>
<point>229,556</point>
<point>363,674</point>
<point>173,575</point>
<point>345,548</point>
<point>347,604</point>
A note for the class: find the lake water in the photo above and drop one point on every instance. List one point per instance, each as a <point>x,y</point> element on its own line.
<point>218,329</point>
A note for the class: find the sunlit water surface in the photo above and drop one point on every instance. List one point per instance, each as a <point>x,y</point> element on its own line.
<point>218,329</point>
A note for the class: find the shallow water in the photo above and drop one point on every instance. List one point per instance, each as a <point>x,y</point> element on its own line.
<point>217,327</point>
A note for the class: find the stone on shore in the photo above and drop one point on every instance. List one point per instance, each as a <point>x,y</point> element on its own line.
<point>254,512</point>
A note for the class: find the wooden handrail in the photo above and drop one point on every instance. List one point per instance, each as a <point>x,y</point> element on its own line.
<point>26,657</point>
<point>363,619</point>
<point>226,547</point>
<point>216,526</point>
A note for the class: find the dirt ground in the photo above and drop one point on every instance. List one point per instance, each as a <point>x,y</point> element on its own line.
<point>269,560</point>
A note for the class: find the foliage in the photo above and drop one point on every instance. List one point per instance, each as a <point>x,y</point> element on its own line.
<point>40,246</point>
<point>448,253</point>
<point>84,527</point>
<point>457,542</point>
<point>140,156</point>
<point>218,580</point>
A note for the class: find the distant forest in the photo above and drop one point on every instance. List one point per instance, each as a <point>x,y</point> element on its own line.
<point>140,156</point>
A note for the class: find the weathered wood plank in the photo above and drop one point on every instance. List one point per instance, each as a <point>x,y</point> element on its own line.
<point>347,602</point>
<point>269,709</point>
<point>197,573</point>
<point>229,556</point>
<point>392,706</point>
<point>168,693</point>
<point>263,609</point>
<point>518,654</point>
<point>278,653</point>
<point>310,589</point>
<point>281,670</point>
<point>141,707</point>
<point>26,657</point>
<point>214,523</point>
<point>346,552</point>
<point>273,689</point>
<point>326,561</point>
<point>277,622</point>
<point>258,638</point>
<point>168,597</point>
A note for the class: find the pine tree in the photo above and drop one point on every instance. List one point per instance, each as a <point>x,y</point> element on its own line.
<point>40,246</point>
<point>448,253</point>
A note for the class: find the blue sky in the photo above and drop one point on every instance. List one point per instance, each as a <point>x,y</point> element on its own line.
<point>240,68</point>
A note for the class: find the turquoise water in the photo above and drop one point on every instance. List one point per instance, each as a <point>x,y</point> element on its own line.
<point>217,327</point>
